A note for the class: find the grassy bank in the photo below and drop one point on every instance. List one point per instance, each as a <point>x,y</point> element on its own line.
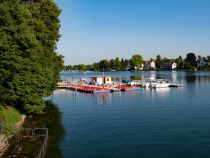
<point>9,117</point>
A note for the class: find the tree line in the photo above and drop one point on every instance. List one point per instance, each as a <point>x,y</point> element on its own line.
<point>107,65</point>
<point>136,61</point>
<point>29,64</point>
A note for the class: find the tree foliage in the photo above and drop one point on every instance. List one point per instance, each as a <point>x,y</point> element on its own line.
<point>136,60</point>
<point>179,62</point>
<point>82,67</point>
<point>29,64</point>
<point>128,64</point>
<point>188,66</point>
<point>158,61</point>
<point>103,65</point>
<point>191,58</point>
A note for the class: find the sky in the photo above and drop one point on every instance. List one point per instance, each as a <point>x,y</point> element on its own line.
<point>92,30</point>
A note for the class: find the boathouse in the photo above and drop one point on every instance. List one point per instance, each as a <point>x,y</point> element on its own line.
<point>99,80</point>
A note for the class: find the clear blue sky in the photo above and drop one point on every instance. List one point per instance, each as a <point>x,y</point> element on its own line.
<point>96,29</point>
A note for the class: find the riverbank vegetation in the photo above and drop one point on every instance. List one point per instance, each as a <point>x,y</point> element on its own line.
<point>190,62</point>
<point>29,64</point>
<point>52,120</point>
<point>9,118</point>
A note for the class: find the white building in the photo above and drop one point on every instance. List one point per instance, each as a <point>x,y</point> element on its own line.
<point>99,80</point>
<point>202,62</point>
<point>149,64</point>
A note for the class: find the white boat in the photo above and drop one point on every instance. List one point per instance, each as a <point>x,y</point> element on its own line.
<point>136,83</point>
<point>160,84</point>
<point>152,83</point>
<point>148,83</point>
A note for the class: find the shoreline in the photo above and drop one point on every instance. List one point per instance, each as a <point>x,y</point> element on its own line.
<point>138,70</point>
<point>4,144</point>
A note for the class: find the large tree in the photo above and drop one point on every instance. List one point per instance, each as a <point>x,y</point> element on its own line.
<point>191,58</point>
<point>29,65</point>
<point>136,60</point>
<point>104,65</point>
<point>179,62</point>
<point>82,67</point>
<point>158,61</point>
<point>117,64</point>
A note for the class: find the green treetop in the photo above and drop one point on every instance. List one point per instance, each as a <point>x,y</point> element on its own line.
<point>136,60</point>
<point>29,65</point>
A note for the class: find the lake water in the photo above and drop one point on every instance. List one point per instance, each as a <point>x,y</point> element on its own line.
<point>161,123</point>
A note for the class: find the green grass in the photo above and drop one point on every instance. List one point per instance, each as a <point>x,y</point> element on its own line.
<point>9,117</point>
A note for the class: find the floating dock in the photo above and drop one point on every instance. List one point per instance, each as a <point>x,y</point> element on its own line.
<point>98,89</point>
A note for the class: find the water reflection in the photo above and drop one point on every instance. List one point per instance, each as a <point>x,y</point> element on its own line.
<point>135,77</point>
<point>157,93</point>
<point>130,92</point>
<point>52,120</point>
<point>162,90</point>
<point>190,77</point>
<point>106,98</point>
<point>103,98</point>
<point>174,75</point>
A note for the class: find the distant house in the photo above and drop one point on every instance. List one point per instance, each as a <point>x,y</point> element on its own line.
<point>202,62</point>
<point>140,67</point>
<point>101,80</point>
<point>168,66</point>
<point>137,68</point>
<point>149,65</point>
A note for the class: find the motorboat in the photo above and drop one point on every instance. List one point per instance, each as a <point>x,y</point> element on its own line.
<point>155,83</point>
<point>136,83</point>
<point>160,84</point>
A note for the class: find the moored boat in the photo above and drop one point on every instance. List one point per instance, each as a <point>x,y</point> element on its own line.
<point>160,84</point>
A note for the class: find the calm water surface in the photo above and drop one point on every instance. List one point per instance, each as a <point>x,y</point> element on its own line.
<point>161,123</point>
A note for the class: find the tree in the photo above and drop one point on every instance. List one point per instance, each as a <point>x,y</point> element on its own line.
<point>166,60</point>
<point>68,67</point>
<point>188,66</point>
<point>208,57</point>
<point>158,61</point>
<point>29,65</point>
<point>95,66</point>
<point>117,64</point>
<point>127,63</point>
<point>123,66</point>
<point>82,67</point>
<point>104,65</point>
<point>151,59</point>
<point>136,61</point>
<point>179,62</point>
<point>90,67</point>
<point>111,64</point>
<point>191,58</point>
